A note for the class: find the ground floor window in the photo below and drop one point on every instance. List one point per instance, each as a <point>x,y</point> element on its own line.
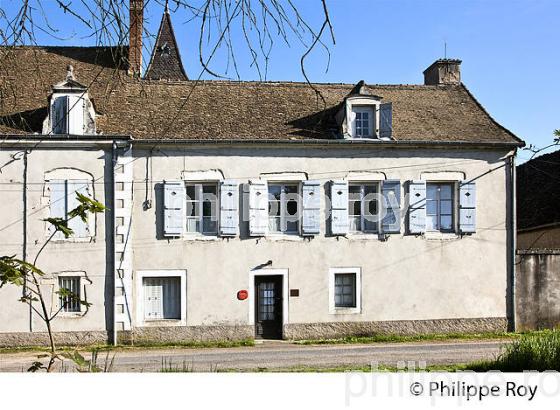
<point>70,303</point>
<point>345,290</point>
<point>162,298</point>
<point>345,287</point>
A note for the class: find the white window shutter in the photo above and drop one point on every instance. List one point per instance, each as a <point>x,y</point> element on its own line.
<point>153,299</point>
<point>311,209</point>
<point>59,115</point>
<point>339,207</point>
<point>386,120</point>
<point>229,199</point>
<point>467,207</point>
<point>79,227</point>
<point>258,208</point>
<point>417,207</point>
<point>57,203</point>
<point>76,115</point>
<point>391,190</point>
<point>174,213</point>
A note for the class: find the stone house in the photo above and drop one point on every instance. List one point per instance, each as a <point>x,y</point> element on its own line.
<point>251,209</point>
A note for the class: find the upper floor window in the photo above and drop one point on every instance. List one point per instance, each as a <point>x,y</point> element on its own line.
<point>63,199</point>
<point>439,207</point>
<point>363,121</point>
<point>283,205</point>
<point>202,208</point>
<point>70,303</point>
<point>363,207</point>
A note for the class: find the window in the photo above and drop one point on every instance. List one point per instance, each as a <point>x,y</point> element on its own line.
<point>345,290</point>
<point>345,286</point>
<point>439,207</point>
<point>363,122</point>
<point>283,208</point>
<point>63,199</point>
<point>202,209</point>
<point>70,303</point>
<point>162,298</point>
<point>363,207</point>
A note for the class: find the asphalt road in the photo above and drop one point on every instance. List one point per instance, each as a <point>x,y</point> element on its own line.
<point>283,355</point>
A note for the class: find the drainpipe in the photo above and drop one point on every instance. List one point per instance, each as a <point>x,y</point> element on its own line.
<point>24,244</point>
<point>113,239</point>
<point>512,243</point>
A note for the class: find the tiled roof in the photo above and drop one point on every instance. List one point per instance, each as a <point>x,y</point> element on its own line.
<point>166,63</point>
<point>538,191</point>
<point>225,109</point>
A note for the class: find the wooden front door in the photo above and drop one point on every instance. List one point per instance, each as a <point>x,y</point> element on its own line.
<point>268,307</point>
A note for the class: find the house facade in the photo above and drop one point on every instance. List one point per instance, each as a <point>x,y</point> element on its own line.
<point>241,210</point>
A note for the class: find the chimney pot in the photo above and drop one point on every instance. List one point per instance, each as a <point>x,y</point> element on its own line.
<point>135,41</point>
<point>443,71</point>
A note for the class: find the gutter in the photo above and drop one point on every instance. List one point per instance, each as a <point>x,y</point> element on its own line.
<point>512,238</point>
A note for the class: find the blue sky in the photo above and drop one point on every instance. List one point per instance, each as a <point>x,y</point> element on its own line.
<point>510,50</point>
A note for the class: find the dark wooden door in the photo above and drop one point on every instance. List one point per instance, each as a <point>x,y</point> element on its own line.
<point>268,307</point>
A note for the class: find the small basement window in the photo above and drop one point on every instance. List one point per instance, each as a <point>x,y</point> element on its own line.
<point>70,304</point>
<point>162,298</point>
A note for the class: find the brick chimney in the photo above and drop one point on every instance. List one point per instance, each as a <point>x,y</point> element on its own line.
<point>443,71</point>
<point>135,33</point>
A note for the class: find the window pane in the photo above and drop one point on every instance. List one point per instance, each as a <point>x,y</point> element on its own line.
<point>209,225</point>
<point>290,189</point>
<point>274,192</point>
<point>445,207</point>
<point>70,303</point>
<point>345,290</point>
<point>355,208</point>
<point>274,208</point>
<point>431,222</point>
<point>191,192</point>
<point>369,226</point>
<point>292,207</point>
<point>431,191</point>
<point>446,222</point>
<point>291,226</point>
<point>354,224</point>
<point>431,207</point>
<point>445,192</point>
<point>192,225</point>
<point>274,224</point>
<point>211,190</point>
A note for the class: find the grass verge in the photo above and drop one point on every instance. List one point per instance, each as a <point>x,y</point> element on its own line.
<point>388,338</point>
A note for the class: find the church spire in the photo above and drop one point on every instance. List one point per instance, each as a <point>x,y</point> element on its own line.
<point>165,63</point>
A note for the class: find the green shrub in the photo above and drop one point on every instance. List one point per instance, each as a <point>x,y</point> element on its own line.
<point>536,351</point>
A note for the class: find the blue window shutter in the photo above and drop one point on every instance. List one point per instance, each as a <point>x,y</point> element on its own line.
<point>311,209</point>
<point>57,202</point>
<point>229,199</point>
<point>386,120</point>
<point>258,208</point>
<point>174,201</point>
<point>391,190</point>
<point>339,207</point>
<point>80,228</point>
<point>417,207</point>
<point>59,115</point>
<point>467,207</point>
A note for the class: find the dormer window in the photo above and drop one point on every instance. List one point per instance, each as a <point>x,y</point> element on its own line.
<point>364,120</point>
<point>363,115</point>
<point>71,111</point>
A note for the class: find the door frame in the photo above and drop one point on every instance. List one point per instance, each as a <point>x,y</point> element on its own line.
<point>252,298</point>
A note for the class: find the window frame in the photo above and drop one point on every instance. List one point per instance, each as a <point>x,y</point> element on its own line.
<point>361,109</point>
<point>333,308</point>
<point>438,215</point>
<point>283,208</point>
<point>139,297</point>
<point>67,175</point>
<point>199,204</point>
<point>362,185</point>
<point>76,304</point>
<point>145,279</point>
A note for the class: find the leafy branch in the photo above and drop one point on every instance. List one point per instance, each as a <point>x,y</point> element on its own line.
<point>18,272</point>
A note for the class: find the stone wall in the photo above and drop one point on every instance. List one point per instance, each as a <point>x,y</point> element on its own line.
<point>537,289</point>
<point>334,330</point>
<point>27,339</point>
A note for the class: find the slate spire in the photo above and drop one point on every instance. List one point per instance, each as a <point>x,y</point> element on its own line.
<point>165,63</point>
